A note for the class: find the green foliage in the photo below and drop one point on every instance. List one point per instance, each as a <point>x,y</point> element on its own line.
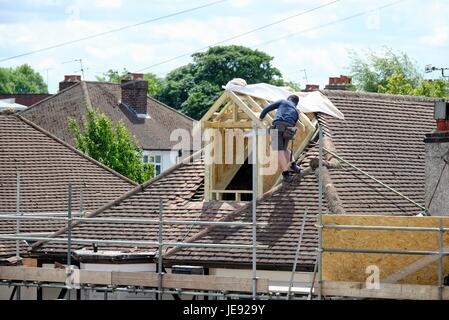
<point>371,71</point>
<point>154,83</point>
<point>393,73</point>
<point>22,79</point>
<point>111,145</point>
<point>398,84</point>
<point>436,88</point>
<point>193,88</point>
<point>201,97</point>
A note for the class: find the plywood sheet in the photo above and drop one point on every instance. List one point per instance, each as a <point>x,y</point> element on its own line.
<point>394,268</point>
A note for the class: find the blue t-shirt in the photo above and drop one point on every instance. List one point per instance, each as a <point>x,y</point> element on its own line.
<point>286,112</point>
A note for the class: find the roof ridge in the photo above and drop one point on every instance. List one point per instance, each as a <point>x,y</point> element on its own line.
<point>361,94</point>
<point>65,144</point>
<point>50,97</point>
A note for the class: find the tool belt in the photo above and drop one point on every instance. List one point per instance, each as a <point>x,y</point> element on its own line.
<point>287,130</point>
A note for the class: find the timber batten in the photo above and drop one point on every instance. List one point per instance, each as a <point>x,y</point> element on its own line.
<point>227,128</point>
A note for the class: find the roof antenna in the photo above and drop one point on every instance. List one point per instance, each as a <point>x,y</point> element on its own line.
<point>81,66</point>
<point>430,68</point>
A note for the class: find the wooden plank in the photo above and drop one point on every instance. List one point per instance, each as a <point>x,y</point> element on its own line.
<point>28,262</point>
<point>95,277</point>
<point>385,291</point>
<point>194,282</point>
<point>33,274</point>
<point>141,279</point>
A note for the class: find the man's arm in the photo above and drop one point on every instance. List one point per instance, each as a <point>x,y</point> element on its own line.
<point>269,108</point>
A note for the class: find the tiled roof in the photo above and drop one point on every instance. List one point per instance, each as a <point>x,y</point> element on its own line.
<point>152,134</point>
<point>382,134</point>
<point>47,166</point>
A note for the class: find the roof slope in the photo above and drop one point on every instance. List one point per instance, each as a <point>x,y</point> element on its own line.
<point>47,166</point>
<point>152,134</point>
<point>382,134</point>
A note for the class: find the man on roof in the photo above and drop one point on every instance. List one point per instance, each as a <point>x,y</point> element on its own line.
<point>282,131</point>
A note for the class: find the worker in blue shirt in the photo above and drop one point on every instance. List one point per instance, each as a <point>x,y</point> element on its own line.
<point>284,123</point>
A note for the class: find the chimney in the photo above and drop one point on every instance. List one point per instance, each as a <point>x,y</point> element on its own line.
<point>134,94</point>
<point>311,87</point>
<point>339,83</point>
<point>437,163</point>
<point>69,80</point>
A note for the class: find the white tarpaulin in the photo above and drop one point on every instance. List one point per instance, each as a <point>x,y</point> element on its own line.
<point>308,101</point>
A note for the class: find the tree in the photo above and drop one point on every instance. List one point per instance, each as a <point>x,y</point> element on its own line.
<point>394,73</point>
<point>111,145</point>
<point>22,79</point>
<point>372,70</point>
<point>194,87</point>
<point>154,83</point>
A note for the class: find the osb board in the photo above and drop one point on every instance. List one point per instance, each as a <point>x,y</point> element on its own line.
<point>353,266</point>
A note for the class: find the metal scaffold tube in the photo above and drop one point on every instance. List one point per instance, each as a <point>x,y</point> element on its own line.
<point>320,214</point>
<point>18,292</point>
<point>160,240</point>
<point>69,242</point>
<point>254,215</point>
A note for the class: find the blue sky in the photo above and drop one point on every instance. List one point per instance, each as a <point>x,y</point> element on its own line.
<point>419,28</point>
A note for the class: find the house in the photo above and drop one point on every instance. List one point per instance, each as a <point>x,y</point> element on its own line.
<point>151,121</point>
<point>383,135</point>
<point>42,166</point>
<point>26,99</point>
<point>46,166</point>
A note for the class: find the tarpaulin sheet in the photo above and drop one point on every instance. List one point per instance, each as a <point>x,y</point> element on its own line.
<point>308,101</point>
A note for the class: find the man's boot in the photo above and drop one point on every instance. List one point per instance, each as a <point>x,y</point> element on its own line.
<point>295,168</point>
<point>287,177</point>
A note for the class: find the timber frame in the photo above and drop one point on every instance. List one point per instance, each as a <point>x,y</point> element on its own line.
<point>227,127</point>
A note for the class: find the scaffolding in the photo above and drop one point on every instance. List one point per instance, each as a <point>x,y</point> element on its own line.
<point>240,288</point>
<point>161,283</point>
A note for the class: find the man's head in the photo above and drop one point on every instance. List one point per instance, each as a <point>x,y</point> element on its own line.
<point>293,98</point>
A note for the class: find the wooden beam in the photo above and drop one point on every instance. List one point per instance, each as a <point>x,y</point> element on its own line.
<point>141,279</point>
<point>250,113</point>
<point>386,291</point>
<point>214,107</point>
<point>228,124</point>
<point>220,114</point>
<point>259,108</point>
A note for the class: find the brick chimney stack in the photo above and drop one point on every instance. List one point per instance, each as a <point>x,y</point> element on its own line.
<point>437,163</point>
<point>339,83</point>
<point>69,80</point>
<point>311,87</point>
<point>134,94</point>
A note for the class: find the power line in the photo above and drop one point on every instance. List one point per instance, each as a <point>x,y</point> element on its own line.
<point>113,30</point>
<point>329,23</point>
<point>282,37</point>
<point>241,35</point>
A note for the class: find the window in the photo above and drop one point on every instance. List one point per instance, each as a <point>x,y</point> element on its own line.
<point>157,161</point>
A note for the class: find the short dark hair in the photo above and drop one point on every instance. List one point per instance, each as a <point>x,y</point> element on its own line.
<point>294,98</point>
